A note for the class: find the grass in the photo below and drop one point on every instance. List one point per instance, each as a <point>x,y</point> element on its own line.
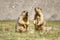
<point>7,32</point>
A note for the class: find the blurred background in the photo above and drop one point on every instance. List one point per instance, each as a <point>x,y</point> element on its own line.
<point>11,9</point>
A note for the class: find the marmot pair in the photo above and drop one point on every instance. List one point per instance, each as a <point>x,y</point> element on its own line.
<point>23,21</point>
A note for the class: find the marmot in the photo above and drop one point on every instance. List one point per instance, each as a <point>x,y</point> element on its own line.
<point>38,20</point>
<point>23,22</point>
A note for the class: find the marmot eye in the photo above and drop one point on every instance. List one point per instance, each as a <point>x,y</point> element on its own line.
<point>38,8</point>
<point>23,11</point>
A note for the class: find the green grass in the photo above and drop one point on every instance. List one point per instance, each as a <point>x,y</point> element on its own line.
<point>7,32</point>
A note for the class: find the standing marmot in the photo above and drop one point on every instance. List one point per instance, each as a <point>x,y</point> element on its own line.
<point>38,20</point>
<point>22,23</point>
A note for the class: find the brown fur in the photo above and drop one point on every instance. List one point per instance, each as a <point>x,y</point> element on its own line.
<point>38,20</point>
<point>22,23</point>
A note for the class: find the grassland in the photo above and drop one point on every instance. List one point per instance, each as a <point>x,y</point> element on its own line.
<point>7,32</point>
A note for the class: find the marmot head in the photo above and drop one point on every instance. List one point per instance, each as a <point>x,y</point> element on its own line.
<point>24,13</point>
<point>24,16</point>
<point>38,10</point>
